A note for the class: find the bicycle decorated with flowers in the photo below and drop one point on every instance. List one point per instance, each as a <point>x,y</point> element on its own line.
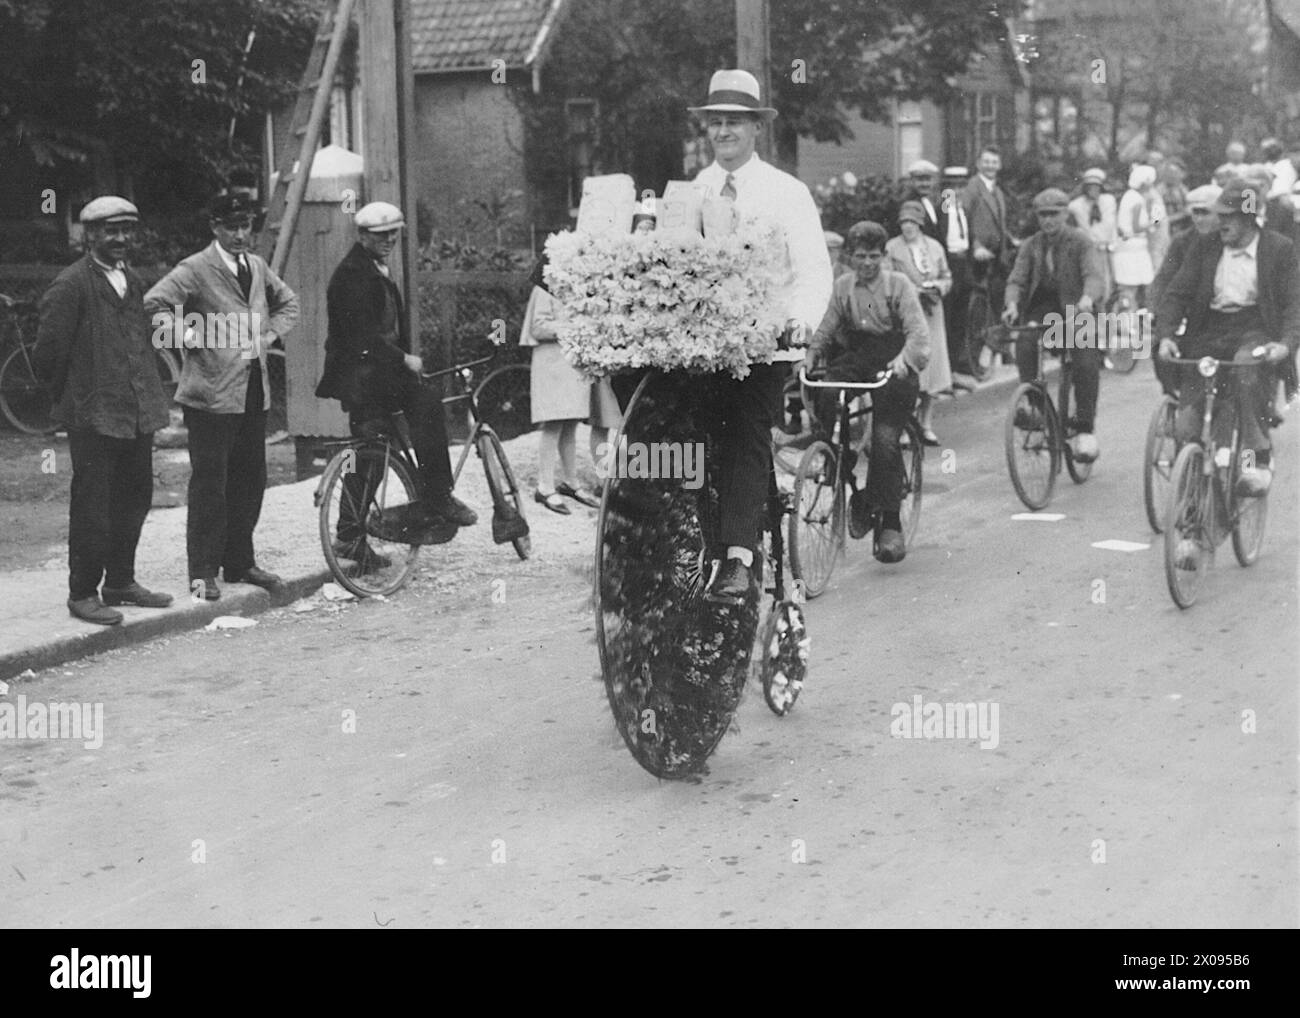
<point>671,316</point>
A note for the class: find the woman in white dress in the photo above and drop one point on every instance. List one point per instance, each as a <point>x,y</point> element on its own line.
<point>922,260</point>
<point>1131,263</point>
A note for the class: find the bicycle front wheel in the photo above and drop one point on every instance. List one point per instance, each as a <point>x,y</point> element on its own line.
<point>1158,462</point>
<point>816,528</point>
<point>913,462</point>
<point>24,400</point>
<point>507,503</point>
<point>367,497</point>
<point>1033,447</point>
<point>979,318</point>
<point>1189,525</point>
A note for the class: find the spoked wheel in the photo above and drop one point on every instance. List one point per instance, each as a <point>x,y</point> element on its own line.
<point>169,373</point>
<point>508,520</point>
<point>816,528</point>
<point>674,664</point>
<point>366,502</point>
<point>1248,517</point>
<point>979,319</point>
<point>1032,446</point>
<point>504,401</point>
<point>24,400</point>
<point>1189,525</point>
<point>913,461</point>
<point>1158,462</point>
<point>1080,470</point>
<point>782,656</point>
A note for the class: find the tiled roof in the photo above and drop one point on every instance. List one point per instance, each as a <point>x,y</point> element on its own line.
<point>462,35</point>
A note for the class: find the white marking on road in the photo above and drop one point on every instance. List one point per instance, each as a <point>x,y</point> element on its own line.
<point>1175,696</point>
<point>1043,517</point>
<point>1114,545</point>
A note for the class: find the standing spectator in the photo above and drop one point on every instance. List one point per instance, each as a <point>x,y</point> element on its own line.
<point>993,248</point>
<point>955,236</point>
<point>1281,207</point>
<point>561,397</point>
<point>1095,212</point>
<point>922,176</point>
<point>1158,237</point>
<point>922,260</point>
<point>1174,194</point>
<point>225,392</point>
<point>94,348</point>
<point>1131,264</point>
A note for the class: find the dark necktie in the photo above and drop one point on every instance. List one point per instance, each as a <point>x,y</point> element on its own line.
<point>729,188</point>
<point>1094,216</point>
<point>245,277</point>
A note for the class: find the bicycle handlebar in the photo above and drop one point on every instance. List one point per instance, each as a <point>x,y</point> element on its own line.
<point>1258,353</point>
<point>457,367</point>
<point>881,379</point>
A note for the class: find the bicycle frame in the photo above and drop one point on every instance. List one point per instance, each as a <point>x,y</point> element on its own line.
<point>843,417</point>
<point>1014,334</point>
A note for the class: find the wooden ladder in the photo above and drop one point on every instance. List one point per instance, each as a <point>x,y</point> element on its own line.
<point>309,112</point>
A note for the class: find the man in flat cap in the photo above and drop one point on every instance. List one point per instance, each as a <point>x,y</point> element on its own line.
<point>922,178</point>
<point>93,347</point>
<point>370,370</point>
<point>1202,203</point>
<point>224,389</point>
<point>734,116</point>
<point>1058,268</point>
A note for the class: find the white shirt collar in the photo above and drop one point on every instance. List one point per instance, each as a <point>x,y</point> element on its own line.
<point>1251,250</point>
<point>990,184</point>
<point>229,259</point>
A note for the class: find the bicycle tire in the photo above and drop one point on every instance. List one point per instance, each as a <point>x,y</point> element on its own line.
<point>169,373</point>
<point>816,527</point>
<point>348,514</point>
<point>504,401</point>
<point>1189,519</point>
<point>913,466</point>
<point>502,485</point>
<point>674,665</point>
<point>24,399</point>
<point>1158,456</point>
<point>979,355</point>
<point>1033,446</point>
<point>1248,515</point>
<point>782,656</point>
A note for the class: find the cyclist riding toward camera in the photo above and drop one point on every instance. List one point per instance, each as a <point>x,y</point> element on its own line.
<point>1239,291</point>
<point>874,324</point>
<point>1058,267</point>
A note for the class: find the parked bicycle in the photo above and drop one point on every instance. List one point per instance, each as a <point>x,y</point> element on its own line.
<point>1038,431</point>
<point>1204,507</point>
<point>367,494</point>
<point>981,319</point>
<point>24,399</point>
<point>673,663</point>
<point>828,475</point>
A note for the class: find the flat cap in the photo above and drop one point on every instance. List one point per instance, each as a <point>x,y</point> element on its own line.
<point>1239,198</point>
<point>1203,197</point>
<point>109,208</point>
<point>1094,175</point>
<point>380,217</point>
<point>230,206</point>
<point>1053,199</point>
<point>922,166</point>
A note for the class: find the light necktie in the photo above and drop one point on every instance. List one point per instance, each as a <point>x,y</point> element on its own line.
<point>1051,260</point>
<point>729,188</point>
<point>245,277</point>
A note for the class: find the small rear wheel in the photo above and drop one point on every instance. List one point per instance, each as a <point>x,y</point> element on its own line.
<point>1189,525</point>
<point>1033,446</point>
<point>1158,462</point>
<point>816,528</point>
<point>24,399</point>
<point>507,503</point>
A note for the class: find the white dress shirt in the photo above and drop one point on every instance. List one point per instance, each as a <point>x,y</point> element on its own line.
<point>1236,280</point>
<point>958,239</point>
<point>116,274</point>
<point>764,192</point>
<point>230,261</point>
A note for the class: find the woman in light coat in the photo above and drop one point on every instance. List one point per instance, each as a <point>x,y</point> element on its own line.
<point>923,261</point>
<point>1131,263</point>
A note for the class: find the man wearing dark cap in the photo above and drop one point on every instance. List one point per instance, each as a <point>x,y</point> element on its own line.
<point>1058,268</point>
<point>93,348</point>
<point>224,389</point>
<point>1238,291</point>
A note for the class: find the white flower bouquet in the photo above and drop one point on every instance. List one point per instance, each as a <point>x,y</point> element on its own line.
<point>671,300</point>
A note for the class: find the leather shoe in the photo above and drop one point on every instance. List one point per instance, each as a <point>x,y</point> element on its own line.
<point>1187,555</point>
<point>451,508</point>
<point>569,491</point>
<point>362,554</point>
<point>731,585</point>
<point>1084,447</point>
<point>1254,482</point>
<point>890,547</point>
<point>92,609</point>
<point>552,502</point>
<point>208,591</point>
<point>137,595</point>
<point>257,577</point>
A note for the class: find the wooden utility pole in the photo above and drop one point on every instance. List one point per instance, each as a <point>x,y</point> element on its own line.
<point>753,55</point>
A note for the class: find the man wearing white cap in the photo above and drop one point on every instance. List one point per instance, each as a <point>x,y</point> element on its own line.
<point>93,347</point>
<point>734,115</point>
<point>922,176</point>
<point>370,370</point>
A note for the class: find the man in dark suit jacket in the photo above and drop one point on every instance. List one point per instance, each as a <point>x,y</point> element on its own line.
<point>1200,202</point>
<point>93,346</point>
<point>1056,269</point>
<point>1238,290</point>
<point>370,370</point>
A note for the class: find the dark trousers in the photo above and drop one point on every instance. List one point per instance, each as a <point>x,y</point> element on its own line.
<point>422,407</point>
<point>227,482</point>
<point>1229,337</point>
<point>112,489</point>
<point>891,406</point>
<point>954,312</point>
<point>746,409</point>
<point>1085,373</point>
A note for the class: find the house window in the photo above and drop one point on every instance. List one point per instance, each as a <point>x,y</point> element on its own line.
<point>977,119</point>
<point>911,141</point>
<point>580,115</point>
<point>1056,125</point>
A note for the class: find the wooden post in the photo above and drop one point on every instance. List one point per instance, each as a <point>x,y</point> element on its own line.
<point>753,55</point>
<point>406,139</point>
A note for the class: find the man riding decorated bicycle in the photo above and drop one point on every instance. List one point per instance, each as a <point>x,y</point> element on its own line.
<point>1239,290</point>
<point>874,323</point>
<point>1058,268</point>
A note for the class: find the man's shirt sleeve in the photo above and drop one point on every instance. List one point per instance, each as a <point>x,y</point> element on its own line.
<point>809,260</point>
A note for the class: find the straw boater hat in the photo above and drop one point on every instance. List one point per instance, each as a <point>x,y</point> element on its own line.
<point>734,92</point>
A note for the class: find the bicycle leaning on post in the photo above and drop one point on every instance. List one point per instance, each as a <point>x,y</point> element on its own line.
<point>370,488</point>
<point>1204,507</point>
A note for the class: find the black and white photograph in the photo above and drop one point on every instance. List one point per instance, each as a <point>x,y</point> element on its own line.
<point>651,465</point>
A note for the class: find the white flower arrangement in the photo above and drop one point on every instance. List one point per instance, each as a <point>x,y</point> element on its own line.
<point>670,300</point>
